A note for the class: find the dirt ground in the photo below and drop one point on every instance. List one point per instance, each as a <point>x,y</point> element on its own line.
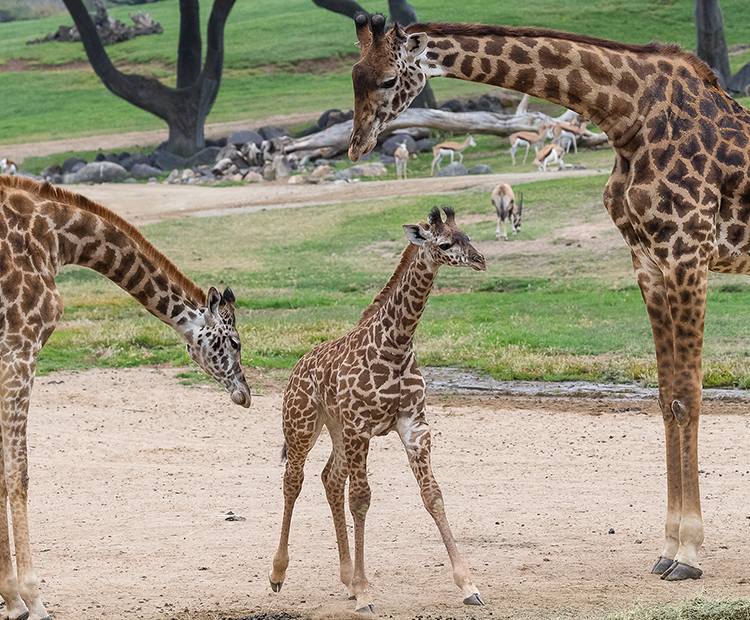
<point>557,504</point>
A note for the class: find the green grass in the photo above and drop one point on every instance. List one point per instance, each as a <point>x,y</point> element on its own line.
<point>304,275</point>
<point>72,102</point>
<point>695,608</point>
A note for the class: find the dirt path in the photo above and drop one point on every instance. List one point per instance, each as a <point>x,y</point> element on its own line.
<point>557,505</point>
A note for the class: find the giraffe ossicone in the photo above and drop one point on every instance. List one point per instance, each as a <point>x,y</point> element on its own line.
<point>679,192</point>
<point>43,228</point>
<point>366,384</point>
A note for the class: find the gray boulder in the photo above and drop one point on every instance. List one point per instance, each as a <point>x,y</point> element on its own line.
<point>69,163</point>
<point>452,170</point>
<point>480,169</point>
<point>101,172</point>
<point>164,160</point>
<point>269,132</point>
<point>424,145</point>
<point>391,144</point>
<point>206,157</point>
<point>244,135</point>
<point>144,171</point>
<point>131,160</point>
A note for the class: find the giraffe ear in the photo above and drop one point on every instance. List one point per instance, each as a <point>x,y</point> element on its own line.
<point>416,44</point>
<point>213,299</point>
<point>416,234</point>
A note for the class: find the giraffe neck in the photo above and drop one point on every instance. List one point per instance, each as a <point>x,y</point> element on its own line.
<point>92,236</point>
<point>614,85</point>
<point>399,313</point>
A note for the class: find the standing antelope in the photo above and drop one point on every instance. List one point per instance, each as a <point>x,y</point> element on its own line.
<point>562,132</point>
<point>552,153</point>
<point>528,139</point>
<point>402,157</point>
<point>504,201</point>
<point>8,166</point>
<point>449,148</point>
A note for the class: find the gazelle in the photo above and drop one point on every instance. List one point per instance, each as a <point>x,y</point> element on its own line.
<point>449,148</point>
<point>562,133</point>
<point>528,139</point>
<point>504,201</point>
<point>8,166</point>
<point>552,153</point>
<point>402,157</point>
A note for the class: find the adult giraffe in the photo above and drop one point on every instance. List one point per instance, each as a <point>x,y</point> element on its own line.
<point>42,229</point>
<point>679,191</point>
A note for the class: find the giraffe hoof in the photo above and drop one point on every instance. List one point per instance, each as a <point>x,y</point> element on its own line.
<point>276,587</point>
<point>25,615</point>
<point>679,571</point>
<point>662,565</point>
<point>474,599</point>
<point>367,609</point>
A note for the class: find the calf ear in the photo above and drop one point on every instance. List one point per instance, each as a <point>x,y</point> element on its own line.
<point>416,234</point>
<point>416,44</point>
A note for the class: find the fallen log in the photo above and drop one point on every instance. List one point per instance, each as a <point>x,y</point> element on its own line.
<point>336,138</point>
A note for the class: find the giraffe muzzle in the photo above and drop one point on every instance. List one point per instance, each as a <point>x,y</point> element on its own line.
<point>241,398</point>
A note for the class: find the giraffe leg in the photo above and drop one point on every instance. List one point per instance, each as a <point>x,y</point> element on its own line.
<point>16,380</point>
<point>677,314</point>
<point>356,448</point>
<point>299,442</point>
<point>15,607</point>
<point>334,481</point>
<point>415,435</point>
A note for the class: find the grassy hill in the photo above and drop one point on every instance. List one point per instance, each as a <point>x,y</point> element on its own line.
<point>284,56</point>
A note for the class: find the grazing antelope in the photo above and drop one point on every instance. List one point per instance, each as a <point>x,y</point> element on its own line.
<point>552,153</point>
<point>449,148</point>
<point>8,166</point>
<point>528,139</point>
<point>562,132</point>
<point>402,157</point>
<point>504,201</point>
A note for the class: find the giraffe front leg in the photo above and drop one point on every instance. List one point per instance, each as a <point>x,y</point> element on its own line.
<point>356,448</point>
<point>415,435</point>
<point>16,394</point>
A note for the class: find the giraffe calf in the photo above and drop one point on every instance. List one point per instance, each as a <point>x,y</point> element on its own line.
<point>366,384</point>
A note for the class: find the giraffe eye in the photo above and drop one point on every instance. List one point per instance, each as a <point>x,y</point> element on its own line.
<point>235,343</point>
<point>445,246</point>
<point>389,83</point>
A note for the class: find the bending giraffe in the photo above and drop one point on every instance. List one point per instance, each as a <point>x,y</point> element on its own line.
<point>679,191</point>
<point>366,384</point>
<point>42,229</point>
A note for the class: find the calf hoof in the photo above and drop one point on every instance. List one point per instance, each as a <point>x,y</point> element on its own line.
<point>367,609</point>
<point>662,565</point>
<point>474,599</point>
<point>679,571</point>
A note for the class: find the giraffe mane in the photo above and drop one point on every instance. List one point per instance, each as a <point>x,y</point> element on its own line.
<point>407,257</point>
<point>480,30</point>
<point>49,192</point>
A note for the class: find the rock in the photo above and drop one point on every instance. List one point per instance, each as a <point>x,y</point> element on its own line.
<point>452,170</point>
<point>452,105</point>
<point>164,160</point>
<point>54,169</point>
<point>369,169</point>
<point>320,172</point>
<point>232,153</point>
<point>144,171</point>
<point>131,160</point>
<point>480,169</point>
<point>253,177</point>
<point>268,132</point>
<point>334,117</point>
<point>391,144</point>
<point>297,179</point>
<point>173,178</point>
<point>221,166</point>
<point>101,172</point>
<point>206,157</point>
<point>281,167</point>
<point>490,103</point>
<point>244,135</point>
<point>70,162</point>
<point>424,145</point>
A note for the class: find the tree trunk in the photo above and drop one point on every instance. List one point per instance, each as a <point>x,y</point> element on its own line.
<point>712,46</point>
<point>186,107</point>
<point>335,139</point>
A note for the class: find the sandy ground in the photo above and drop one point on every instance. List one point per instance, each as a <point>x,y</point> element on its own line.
<point>557,504</point>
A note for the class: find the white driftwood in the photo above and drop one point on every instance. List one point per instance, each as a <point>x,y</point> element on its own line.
<point>336,138</point>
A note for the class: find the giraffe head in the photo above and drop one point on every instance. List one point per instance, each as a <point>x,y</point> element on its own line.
<point>386,78</point>
<point>443,242</point>
<point>214,344</point>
